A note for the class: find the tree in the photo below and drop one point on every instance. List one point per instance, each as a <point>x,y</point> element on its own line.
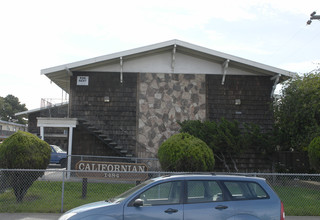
<point>314,153</point>
<point>228,139</point>
<point>183,152</point>
<point>297,113</point>
<point>9,106</point>
<point>23,150</point>
<point>224,138</point>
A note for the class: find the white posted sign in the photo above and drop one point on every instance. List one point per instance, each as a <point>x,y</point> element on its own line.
<point>83,80</point>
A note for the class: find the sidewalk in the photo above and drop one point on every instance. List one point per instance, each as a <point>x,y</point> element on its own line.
<point>29,216</point>
<point>302,217</point>
<point>55,216</point>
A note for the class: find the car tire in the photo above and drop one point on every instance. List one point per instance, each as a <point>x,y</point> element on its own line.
<point>63,163</point>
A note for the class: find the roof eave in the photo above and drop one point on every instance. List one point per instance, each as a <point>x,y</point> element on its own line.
<point>54,73</point>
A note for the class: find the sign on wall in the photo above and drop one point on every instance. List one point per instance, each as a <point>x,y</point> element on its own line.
<point>82,80</point>
<point>112,170</point>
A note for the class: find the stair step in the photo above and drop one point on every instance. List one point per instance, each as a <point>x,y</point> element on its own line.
<point>98,131</point>
<point>124,151</point>
<point>108,140</point>
<point>103,136</point>
<point>113,144</point>
<point>129,155</point>
<point>118,147</point>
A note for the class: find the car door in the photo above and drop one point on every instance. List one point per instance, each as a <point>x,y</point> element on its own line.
<point>252,201</point>
<point>206,200</point>
<point>162,201</point>
<point>54,156</point>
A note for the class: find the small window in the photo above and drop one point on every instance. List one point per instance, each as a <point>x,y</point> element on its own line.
<point>246,190</point>
<point>203,191</point>
<point>162,194</point>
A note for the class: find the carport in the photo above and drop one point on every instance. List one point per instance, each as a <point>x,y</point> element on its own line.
<point>60,123</point>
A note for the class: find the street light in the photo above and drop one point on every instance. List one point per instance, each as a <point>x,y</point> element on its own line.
<point>313,16</point>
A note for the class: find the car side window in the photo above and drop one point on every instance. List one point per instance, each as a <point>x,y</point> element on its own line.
<point>162,194</point>
<point>203,191</point>
<point>245,190</point>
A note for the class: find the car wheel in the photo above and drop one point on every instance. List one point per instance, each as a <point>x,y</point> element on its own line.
<point>63,163</point>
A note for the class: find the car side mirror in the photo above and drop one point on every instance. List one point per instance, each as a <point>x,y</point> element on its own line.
<point>138,203</point>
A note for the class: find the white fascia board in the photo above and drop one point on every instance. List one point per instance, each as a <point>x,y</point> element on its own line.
<point>157,46</point>
<point>56,122</point>
<point>107,57</point>
<point>235,59</point>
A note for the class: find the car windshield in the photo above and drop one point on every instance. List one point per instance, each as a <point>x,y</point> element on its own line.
<point>58,149</point>
<point>125,195</point>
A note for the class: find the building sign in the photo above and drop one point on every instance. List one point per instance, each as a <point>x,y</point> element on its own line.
<point>112,170</point>
<point>82,80</point>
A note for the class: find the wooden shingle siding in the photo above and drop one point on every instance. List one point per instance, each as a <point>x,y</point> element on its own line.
<point>253,92</point>
<point>87,102</point>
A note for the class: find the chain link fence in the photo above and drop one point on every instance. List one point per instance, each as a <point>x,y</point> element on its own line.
<point>53,192</point>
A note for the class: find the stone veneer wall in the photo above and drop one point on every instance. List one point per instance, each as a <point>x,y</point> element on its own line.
<point>165,99</point>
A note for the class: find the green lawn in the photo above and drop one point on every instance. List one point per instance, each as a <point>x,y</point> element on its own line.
<point>45,197</point>
<point>299,200</point>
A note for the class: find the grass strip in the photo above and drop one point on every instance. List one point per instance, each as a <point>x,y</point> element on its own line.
<point>299,201</point>
<point>45,196</point>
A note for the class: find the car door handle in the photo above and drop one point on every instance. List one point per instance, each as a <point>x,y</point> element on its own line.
<point>170,210</point>
<point>221,207</point>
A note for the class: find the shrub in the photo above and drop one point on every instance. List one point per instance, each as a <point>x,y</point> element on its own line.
<point>224,138</point>
<point>184,152</point>
<point>314,153</point>
<point>23,150</point>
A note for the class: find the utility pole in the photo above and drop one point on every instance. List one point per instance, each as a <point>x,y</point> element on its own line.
<point>313,16</point>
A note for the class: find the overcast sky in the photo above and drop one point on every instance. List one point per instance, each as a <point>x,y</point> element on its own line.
<point>40,34</point>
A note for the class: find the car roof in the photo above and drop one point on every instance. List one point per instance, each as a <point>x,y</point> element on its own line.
<point>209,177</point>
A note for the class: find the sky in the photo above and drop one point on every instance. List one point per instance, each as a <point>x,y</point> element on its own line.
<point>39,34</point>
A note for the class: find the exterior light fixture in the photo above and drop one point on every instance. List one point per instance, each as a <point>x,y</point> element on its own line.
<point>106,99</point>
<point>237,102</point>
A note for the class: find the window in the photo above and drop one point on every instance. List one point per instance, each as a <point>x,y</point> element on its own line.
<point>162,194</point>
<point>246,190</point>
<point>203,191</point>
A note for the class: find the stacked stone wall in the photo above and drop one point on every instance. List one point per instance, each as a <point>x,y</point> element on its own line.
<point>164,100</point>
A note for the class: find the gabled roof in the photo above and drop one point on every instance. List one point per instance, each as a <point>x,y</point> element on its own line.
<point>168,52</point>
